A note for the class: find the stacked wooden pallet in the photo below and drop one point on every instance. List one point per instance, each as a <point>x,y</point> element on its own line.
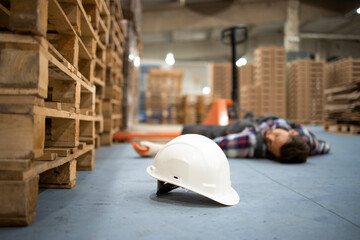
<point>163,95</point>
<point>112,102</point>
<point>342,96</point>
<point>221,80</point>
<point>247,90</point>
<point>188,106</point>
<point>305,91</point>
<point>270,79</point>
<point>203,103</point>
<point>194,108</point>
<point>47,100</point>
<point>99,14</point>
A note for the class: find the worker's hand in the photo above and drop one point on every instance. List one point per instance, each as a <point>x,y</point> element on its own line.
<point>147,149</point>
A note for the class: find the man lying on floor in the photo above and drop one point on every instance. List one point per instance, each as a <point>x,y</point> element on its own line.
<point>262,137</point>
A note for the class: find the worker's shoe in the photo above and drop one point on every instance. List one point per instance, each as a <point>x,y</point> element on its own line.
<point>147,149</point>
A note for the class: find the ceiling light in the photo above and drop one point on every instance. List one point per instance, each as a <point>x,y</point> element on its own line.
<point>170,60</point>
<point>206,90</point>
<point>241,62</point>
<point>137,62</point>
<point>358,11</point>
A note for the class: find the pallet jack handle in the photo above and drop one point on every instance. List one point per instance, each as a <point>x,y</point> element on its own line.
<point>234,36</point>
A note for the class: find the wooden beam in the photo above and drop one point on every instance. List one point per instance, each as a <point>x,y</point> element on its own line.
<point>330,36</point>
<point>29,16</point>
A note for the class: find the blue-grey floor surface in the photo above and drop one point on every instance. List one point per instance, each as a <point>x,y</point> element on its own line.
<point>316,200</point>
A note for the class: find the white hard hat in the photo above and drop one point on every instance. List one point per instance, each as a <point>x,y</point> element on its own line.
<point>196,163</point>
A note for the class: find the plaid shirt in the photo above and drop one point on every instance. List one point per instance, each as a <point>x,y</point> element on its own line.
<point>243,144</point>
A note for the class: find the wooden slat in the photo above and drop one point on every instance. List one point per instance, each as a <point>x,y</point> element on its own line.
<point>48,156</point>
<point>58,19</point>
<point>4,16</point>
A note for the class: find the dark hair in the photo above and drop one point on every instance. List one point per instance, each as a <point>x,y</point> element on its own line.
<point>295,150</point>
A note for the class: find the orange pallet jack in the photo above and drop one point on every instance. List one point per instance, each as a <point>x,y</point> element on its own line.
<point>222,111</point>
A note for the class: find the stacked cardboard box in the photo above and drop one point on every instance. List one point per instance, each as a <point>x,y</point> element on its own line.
<point>305,91</point>
<point>342,95</point>
<point>270,80</point>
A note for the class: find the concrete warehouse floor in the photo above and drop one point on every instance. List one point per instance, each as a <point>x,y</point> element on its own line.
<point>316,200</point>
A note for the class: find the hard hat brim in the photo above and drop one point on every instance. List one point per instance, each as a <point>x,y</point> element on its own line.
<point>230,198</point>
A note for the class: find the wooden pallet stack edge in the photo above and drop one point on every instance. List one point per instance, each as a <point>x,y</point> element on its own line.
<point>342,95</point>
<point>113,91</point>
<point>99,13</point>
<point>47,101</point>
<point>194,108</point>
<point>342,109</point>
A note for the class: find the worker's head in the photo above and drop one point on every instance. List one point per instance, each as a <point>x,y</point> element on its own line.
<point>286,146</point>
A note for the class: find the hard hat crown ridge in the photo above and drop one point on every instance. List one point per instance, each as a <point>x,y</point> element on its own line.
<point>196,163</point>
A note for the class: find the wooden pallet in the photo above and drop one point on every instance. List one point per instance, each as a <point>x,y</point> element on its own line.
<point>20,181</point>
<point>343,72</point>
<point>39,143</point>
<point>343,103</point>
<point>342,128</point>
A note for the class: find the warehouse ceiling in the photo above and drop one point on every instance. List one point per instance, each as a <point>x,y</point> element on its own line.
<point>182,25</point>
